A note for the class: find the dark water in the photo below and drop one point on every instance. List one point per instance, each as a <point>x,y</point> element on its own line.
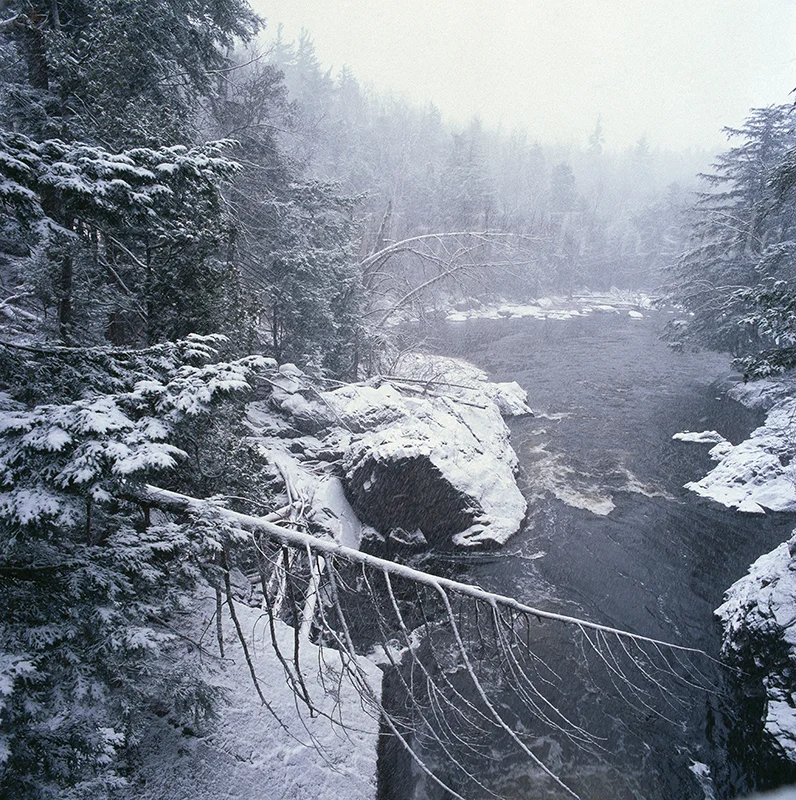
<point>608,395</point>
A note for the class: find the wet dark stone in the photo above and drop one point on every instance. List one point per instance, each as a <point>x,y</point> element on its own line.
<point>411,494</point>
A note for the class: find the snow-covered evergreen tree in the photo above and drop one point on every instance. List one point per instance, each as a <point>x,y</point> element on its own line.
<point>737,276</point>
<point>89,581</point>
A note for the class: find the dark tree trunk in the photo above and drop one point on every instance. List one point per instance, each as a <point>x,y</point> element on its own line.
<point>34,46</point>
<point>65,299</point>
<point>150,298</point>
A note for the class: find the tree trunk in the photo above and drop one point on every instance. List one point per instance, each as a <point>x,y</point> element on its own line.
<point>34,47</point>
<point>65,299</point>
<point>150,303</point>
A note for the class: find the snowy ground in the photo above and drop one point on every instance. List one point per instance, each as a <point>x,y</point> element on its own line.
<point>632,304</point>
<point>248,754</point>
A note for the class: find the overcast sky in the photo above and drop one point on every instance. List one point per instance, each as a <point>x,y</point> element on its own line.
<point>675,70</point>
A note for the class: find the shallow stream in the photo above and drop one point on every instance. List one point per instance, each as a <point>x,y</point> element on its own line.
<point>612,535</point>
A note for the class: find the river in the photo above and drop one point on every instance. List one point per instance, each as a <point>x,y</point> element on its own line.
<point>611,535</point>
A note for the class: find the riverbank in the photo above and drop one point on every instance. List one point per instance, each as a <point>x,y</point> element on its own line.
<point>758,615</point>
<point>252,751</point>
<point>630,303</point>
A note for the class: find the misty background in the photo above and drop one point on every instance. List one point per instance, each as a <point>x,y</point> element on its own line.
<point>673,70</point>
<point>578,126</point>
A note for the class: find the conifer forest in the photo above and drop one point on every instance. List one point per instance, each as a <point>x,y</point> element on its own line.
<point>351,444</point>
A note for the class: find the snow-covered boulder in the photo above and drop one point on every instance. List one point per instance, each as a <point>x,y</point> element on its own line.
<point>462,380</point>
<point>431,464</point>
<point>759,473</point>
<point>759,621</point>
<point>425,454</point>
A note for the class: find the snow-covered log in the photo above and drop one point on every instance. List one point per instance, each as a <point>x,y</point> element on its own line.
<point>173,501</point>
<point>481,636</point>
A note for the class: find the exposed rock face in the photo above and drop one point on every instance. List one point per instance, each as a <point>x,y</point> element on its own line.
<point>408,493</point>
<point>759,619</point>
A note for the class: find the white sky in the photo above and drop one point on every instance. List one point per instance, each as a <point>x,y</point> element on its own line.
<point>675,70</point>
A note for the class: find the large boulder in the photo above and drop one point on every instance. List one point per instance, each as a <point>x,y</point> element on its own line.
<point>429,464</point>
<point>425,455</point>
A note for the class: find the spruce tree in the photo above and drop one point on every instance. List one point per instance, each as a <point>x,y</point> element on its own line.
<point>739,266</point>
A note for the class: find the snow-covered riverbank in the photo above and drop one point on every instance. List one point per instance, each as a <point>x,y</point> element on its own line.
<point>758,473</point>
<point>632,304</point>
<point>759,612</point>
<point>250,751</point>
<point>425,458</point>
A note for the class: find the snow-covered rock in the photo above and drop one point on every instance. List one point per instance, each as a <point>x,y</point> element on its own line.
<point>763,394</point>
<point>711,437</point>
<point>758,473</point>
<point>303,463</point>
<point>559,308</point>
<point>443,468</point>
<point>431,456</point>
<point>462,380</point>
<point>759,621</point>
<point>759,611</point>
<point>721,447</point>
